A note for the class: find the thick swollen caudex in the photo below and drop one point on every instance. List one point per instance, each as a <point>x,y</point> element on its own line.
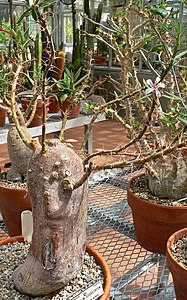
<point>59,215</point>
<point>19,153</point>
<point>167,176</point>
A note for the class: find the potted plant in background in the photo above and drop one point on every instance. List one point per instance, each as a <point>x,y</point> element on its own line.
<point>70,91</point>
<point>28,52</point>
<point>58,71</point>
<point>165,212</point>
<point>155,124</point>
<point>18,152</point>
<point>3,115</point>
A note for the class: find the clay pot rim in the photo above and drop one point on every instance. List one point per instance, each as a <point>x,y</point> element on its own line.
<point>100,260</point>
<point>171,240</point>
<point>39,102</point>
<point>11,240</point>
<point>13,188</point>
<point>150,203</point>
<point>105,269</point>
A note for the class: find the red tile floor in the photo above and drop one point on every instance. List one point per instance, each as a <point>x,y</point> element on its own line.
<point>136,273</point>
<point>106,135</point>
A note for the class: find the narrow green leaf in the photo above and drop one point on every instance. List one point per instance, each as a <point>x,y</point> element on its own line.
<point>24,15</point>
<point>19,37</point>
<point>34,15</point>
<point>68,73</point>
<point>159,11</point>
<point>77,74</point>
<point>46,3</point>
<point>63,98</point>
<point>181,54</point>
<point>183,120</point>
<point>81,79</point>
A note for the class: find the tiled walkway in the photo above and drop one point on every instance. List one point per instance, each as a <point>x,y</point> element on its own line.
<point>136,273</point>
<point>106,135</point>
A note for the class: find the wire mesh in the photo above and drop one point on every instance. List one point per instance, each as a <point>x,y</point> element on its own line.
<point>136,273</point>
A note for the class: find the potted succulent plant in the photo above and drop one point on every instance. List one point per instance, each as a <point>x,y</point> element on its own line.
<point>18,152</point>
<point>154,116</point>
<point>70,91</point>
<point>26,88</point>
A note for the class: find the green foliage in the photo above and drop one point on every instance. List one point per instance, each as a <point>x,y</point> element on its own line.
<point>71,85</point>
<point>38,59</point>
<point>90,105</point>
<point>159,11</point>
<point>22,39</point>
<point>4,37</point>
<point>5,77</point>
<point>177,113</point>
<point>137,124</point>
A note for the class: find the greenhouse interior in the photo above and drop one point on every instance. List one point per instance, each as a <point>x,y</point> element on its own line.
<point>93,149</point>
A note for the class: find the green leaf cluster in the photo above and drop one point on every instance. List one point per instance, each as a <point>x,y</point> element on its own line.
<point>71,84</point>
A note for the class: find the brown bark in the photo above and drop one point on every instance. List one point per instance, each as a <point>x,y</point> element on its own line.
<point>59,214</point>
<point>167,176</point>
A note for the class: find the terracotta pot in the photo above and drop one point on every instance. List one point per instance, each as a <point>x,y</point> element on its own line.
<point>37,120</point>
<point>54,106</point>
<point>11,240</point>
<point>100,60</point>
<point>92,252</point>
<point>105,269</point>
<point>3,115</point>
<point>75,111</point>
<point>179,273</point>
<point>12,202</point>
<point>154,223</point>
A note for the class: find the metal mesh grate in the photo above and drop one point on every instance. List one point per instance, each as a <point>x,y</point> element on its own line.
<point>136,273</point>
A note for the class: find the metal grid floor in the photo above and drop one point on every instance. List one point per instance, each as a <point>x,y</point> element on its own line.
<point>136,273</point>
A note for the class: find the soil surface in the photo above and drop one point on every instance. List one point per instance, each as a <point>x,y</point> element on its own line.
<point>140,187</point>
<point>17,185</point>
<point>179,251</point>
<point>5,182</point>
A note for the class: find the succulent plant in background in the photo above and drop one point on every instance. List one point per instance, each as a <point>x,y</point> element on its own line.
<point>72,86</point>
<point>154,124</point>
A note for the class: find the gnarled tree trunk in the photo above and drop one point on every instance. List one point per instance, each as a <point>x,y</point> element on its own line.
<point>167,176</point>
<point>59,215</point>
